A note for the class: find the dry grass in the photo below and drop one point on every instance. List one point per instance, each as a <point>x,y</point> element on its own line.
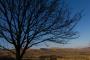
<point>61,54</point>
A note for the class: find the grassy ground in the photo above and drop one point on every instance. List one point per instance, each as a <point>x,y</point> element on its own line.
<point>65,53</point>
<point>61,54</point>
<point>78,57</point>
<point>75,54</point>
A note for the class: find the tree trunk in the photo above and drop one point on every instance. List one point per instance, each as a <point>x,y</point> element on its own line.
<point>18,57</point>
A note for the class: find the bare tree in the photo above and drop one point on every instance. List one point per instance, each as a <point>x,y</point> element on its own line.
<point>24,23</point>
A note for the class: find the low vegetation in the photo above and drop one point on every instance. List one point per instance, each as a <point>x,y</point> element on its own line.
<point>58,54</point>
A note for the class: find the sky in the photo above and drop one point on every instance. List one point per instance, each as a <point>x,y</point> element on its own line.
<point>83,26</point>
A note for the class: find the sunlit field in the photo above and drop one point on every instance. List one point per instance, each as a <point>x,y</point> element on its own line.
<point>75,54</point>
<point>74,57</point>
<point>54,54</point>
<point>62,54</point>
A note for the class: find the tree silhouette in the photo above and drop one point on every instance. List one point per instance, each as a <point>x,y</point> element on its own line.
<point>24,23</point>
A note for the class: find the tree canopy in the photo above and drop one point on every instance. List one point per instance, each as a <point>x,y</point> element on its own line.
<point>24,23</point>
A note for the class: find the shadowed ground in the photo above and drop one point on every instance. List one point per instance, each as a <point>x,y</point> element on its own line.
<point>6,58</point>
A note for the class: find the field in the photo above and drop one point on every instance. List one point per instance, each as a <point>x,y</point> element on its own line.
<point>57,53</point>
<point>61,53</point>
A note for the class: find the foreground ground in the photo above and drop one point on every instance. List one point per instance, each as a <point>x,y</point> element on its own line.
<point>58,53</point>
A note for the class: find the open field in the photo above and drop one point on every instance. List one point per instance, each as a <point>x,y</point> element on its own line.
<point>64,53</point>
<point>57,53</point>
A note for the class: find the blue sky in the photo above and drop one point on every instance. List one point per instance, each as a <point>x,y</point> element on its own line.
<point>83,27</point>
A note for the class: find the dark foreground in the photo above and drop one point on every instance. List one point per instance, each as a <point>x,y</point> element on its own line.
<point>6,58</point>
